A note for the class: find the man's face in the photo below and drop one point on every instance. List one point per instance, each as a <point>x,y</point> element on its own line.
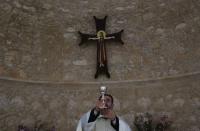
<point>108,102</point>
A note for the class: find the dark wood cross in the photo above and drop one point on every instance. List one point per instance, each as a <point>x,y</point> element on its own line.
<point>101,37</point>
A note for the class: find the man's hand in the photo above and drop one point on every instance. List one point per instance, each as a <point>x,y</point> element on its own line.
<point>110,114</point>
<point>100,105</point>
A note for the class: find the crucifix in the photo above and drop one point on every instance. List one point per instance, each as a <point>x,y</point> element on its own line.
<point>101,37</point>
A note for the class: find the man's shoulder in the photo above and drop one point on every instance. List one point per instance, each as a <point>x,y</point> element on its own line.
<point>86,115</point>
<point>121,120</point>
<point>124,124</point>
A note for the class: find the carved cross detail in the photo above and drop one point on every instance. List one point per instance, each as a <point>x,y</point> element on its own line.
<point>101,37</point>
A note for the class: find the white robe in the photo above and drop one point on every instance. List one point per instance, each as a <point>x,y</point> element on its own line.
<point>83,124</point>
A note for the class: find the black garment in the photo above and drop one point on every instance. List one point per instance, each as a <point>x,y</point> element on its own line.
<point>94,114</point>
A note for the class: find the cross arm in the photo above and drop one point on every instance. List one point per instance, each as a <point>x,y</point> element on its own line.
<point>86,37</point>
<point>116,36</point>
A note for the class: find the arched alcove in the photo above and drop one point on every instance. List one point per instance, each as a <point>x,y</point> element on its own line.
<point>46,77</point>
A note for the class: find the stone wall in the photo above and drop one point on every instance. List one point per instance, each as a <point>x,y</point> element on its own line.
<point>39,39</point>
<point>62,104</point>
<point>45,77</point>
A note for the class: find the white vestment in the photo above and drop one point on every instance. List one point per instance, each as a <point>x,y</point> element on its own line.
<point>83,124</point>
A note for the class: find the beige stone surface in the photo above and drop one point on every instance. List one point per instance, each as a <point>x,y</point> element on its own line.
<point>45,77</point>
<point>39,39</point>
<point>62,104</point>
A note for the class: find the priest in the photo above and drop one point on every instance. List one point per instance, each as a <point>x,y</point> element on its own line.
<point>102,117</point>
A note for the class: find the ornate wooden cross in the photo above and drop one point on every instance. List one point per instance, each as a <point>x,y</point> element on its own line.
<point>101,37</point>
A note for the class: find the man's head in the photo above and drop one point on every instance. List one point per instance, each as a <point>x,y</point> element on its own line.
<point>109,101</point>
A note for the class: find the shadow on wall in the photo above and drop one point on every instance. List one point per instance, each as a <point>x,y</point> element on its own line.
<point>146,122</point>
<point>37,127</point>
<point>143,122</point>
